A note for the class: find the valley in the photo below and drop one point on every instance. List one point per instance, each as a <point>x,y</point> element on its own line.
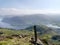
<point>18,30</point>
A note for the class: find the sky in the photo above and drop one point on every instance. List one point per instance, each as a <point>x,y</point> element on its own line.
<point>18,7</point>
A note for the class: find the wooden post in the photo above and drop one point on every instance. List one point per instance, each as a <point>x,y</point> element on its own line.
<point>35,35</point>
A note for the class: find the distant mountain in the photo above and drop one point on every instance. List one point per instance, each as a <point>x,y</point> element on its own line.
<point>55,18</point>
<point>28,20</point>
<point>31,19</point>
<point>21,22</point>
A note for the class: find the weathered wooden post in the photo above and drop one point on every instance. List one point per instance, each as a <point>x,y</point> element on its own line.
<point>35,35</point>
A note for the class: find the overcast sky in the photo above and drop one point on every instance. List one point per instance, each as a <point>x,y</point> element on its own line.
<point>18,7</point>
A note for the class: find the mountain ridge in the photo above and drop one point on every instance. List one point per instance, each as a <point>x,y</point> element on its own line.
<point>28,20</point>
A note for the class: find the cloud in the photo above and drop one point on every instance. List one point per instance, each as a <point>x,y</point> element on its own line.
<point>14,11</point>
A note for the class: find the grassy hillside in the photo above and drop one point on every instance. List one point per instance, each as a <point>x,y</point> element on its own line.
<point>22,37</point>
<point>15,40</point>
